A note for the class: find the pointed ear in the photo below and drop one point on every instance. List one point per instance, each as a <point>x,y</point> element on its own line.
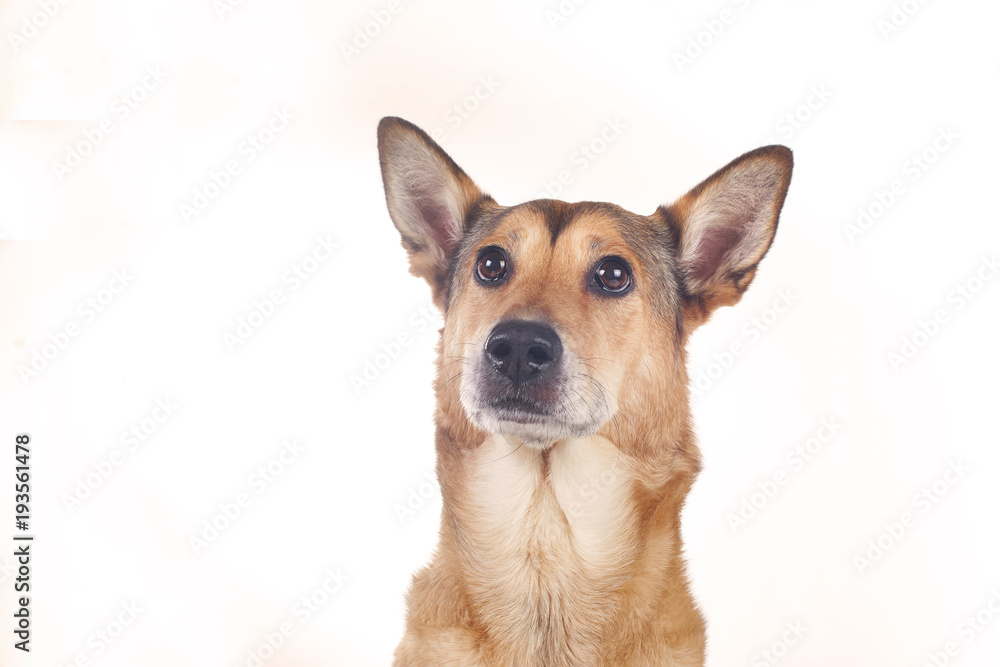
<point>429,199</point>
<point>724,226</point>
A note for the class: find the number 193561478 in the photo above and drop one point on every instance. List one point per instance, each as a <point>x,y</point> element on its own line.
<point>22,475</point>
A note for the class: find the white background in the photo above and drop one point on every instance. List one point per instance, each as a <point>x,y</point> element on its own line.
<point>557,79</point>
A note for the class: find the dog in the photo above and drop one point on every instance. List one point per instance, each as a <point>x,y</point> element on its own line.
<point>563,430</point>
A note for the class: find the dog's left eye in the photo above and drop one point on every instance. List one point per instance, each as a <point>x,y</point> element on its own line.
<point>613,275</point>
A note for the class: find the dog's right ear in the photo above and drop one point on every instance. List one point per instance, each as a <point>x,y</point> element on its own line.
<point>429,199</point>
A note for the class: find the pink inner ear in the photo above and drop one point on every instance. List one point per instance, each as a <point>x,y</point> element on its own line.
<point>439,223</point>
<point>713,246</point>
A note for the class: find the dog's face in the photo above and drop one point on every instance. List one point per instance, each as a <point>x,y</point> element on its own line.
<point>551,305</point>
<point>558,317</point>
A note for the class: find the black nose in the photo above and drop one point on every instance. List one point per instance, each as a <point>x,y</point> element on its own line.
<point>523,350</point>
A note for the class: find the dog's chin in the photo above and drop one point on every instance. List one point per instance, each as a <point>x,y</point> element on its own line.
<point>521,425</point>
<point>537,416</point>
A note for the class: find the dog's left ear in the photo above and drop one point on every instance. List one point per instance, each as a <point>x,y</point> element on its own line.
<point>429,199</point>
<point>724,226</point>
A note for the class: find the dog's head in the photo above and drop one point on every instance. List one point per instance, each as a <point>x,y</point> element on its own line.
<point>559,317</point>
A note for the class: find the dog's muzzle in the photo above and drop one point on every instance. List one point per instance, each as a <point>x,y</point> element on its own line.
<point>525,384</point>
<point>522,376</point>
<point>523,352</point>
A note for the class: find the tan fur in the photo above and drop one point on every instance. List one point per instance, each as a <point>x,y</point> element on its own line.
<point>569,552</point>
<point>528,586</point>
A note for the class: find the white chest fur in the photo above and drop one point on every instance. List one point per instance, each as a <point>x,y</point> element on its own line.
<point>549,541</point>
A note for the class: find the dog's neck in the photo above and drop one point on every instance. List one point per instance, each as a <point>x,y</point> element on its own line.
<point>551,541</point>
<point>553,532</point>
<point>569,502</point>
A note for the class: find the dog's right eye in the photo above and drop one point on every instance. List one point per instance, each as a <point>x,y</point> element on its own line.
<point>492,266</point>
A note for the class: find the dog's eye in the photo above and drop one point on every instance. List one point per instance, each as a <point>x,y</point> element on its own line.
<point>612,275</point>
<point>492,265</point>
